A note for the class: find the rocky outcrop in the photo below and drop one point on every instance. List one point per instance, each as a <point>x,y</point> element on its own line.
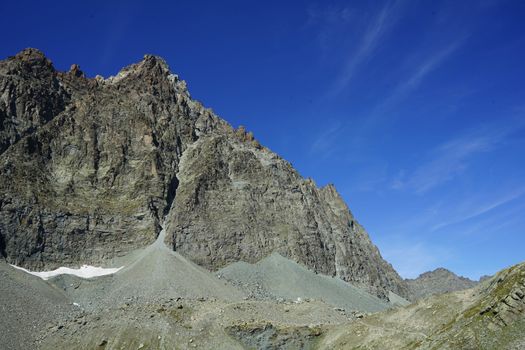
<point>504,303</point>
<point>96,179</point>
<point>438,281</point>
<point>30,95</point>
<point>101,162</point>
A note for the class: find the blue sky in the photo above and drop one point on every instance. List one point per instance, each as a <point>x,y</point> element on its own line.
<point>415,110</point>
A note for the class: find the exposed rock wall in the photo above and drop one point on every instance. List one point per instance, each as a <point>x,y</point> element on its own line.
<point>505,301</point>
<point>96,179</point>
<point>489,316</point>
<point>30,95</point>
<point>237,201</point>
<point>102,162</point>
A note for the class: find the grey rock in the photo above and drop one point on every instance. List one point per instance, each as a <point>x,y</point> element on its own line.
<point>275,278</point>
<point>484,278</point>
<point>486,317</point>
<point>238,202</point>
<point>95,180</point>
<point>30,95</point>
<point>90,169</point>
<point>28,305</point>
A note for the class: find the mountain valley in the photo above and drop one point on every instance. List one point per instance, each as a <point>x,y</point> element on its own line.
<point>214,241</point>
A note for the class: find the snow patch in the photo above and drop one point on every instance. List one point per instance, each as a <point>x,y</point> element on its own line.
<point>85,271</point>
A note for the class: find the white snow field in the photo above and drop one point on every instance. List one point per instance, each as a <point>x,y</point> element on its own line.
<point>85,271</point>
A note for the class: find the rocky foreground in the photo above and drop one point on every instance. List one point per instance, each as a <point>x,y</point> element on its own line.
<point>489,316</point>
<point>160,300</point>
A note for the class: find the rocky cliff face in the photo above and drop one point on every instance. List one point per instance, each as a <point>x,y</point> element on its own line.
<point>30,96</point>
<point>91,167</point>
<point>94,177</point>
<point>437,282</point>
<point>255,203</point>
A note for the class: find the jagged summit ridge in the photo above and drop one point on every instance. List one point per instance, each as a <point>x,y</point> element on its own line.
<point>91,167</point>
<point>33,58</point>
<point>151,70</point>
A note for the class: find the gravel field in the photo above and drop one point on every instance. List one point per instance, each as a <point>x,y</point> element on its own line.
<point>27,304</point>
<point>161,300</point>
<point>276,277</point>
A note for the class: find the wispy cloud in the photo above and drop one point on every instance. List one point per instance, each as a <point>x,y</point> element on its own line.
<point>495,223</point>
<point>407,85</point>
<point>452,158</point>
<point>432,62</point>
<point>326,141</point>
<point>122,21</point>
<point>371,38</point>
<point>412,246</point>
<point>475,210</point>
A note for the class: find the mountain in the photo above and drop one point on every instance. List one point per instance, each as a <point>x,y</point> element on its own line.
<point>437,282</point>
<point>92,168</point>
<point>214,241</point>
<point>163,301</point>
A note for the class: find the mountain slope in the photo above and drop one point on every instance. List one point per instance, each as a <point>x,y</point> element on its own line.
<point>490,316</point>
<point>276,278</point>
<point>103,161</point>
<point>158,299</point>
<point>28,305</point>
<point>93,181</point>
<point>255,203</point>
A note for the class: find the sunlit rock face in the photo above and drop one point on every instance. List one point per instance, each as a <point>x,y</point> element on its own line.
<point>91,169</point>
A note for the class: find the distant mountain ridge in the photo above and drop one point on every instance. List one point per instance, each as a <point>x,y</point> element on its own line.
<point>438,281</point>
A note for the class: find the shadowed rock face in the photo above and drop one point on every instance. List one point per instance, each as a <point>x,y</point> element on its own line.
<point>91,167</point>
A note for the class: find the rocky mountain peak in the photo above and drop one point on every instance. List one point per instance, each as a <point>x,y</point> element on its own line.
<point>92,168</point>
<point>330,188</point>
<point>438,281</point>
<point>151,75</point>
<point>33,56</point>
<point>153,62</point>
<point>440,271</point>
<point>76,71</point>
<point>29,62</point>
<point>150,66</point>
<point>30,95</point>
